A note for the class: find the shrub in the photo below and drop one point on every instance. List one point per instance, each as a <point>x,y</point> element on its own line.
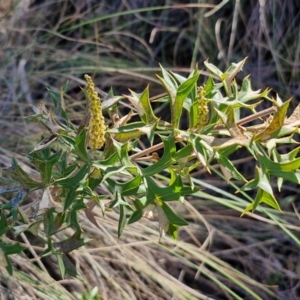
<point>108,165</point>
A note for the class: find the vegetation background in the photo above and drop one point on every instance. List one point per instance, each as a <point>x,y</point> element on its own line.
<point>121,43</point>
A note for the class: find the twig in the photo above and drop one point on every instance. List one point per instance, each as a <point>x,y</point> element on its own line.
<point>253,117</point>
<point>147,151</point>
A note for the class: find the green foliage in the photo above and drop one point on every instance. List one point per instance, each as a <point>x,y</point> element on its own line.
<point>137,180</point>
<point>90,295</point>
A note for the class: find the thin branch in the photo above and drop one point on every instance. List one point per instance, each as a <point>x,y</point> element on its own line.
<point>253,117</point>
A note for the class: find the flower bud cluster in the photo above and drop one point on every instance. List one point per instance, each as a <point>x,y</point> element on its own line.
<point>96,128</point>
<point>203,110</point>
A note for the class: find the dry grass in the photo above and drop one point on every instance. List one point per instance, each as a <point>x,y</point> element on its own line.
<point>220,255</point>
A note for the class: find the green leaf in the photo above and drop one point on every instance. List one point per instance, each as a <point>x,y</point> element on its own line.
<point>209,87</point>
<point>31,227</point>
<point>93,183</point>
<point>70,141</point>
<point>229,121</point>
<point>272,143</point>
<point>179,78</point>
<point>61,265</point>
<point>72,182</point>
<point>62,164</point>
<point>191,102</point>
<point>117,170</point>
<point>14,213</point>
<point>143,106</point>
<point>104,164</point>
<point>6,261</point>
<point>66,172</point>
<point>247,94</point>
<point>203,151</point>
<point>136,216</point>
<point>130,131</point>
<point>70,198</point>
<point>49,250</point>
<point>226,163</point>
<point>173,231</point>
<point>229,150</point>
<point>72,220</point>
<point>151,133</point>
<point>58,101</point>
<point>213,69</point>
<point>119,200</point>
<point>45,164</point>
<point>49,221</point>
<point>182,92</point>
<point>122,219</point>
<point>173,192</point>
<point>9,248</point>
<point>140,203</point>
<point>55,97</point>
<point>169,84</point>
<point>19,175</point>
<point>122,151</point>
<point>110,102</point>
<point>130,187</point>
<point>79,204</point>
<point>70,267</point>
<point>173,218</point>
<point>262,197</point>
<point>292,176</point>
<point>185,152</point>
<point>285,166</point>
<point>70,244</point>
<point>269,200</point>
<point>276,123</point>
<point>80,146</point>
<point>163,221</point>
<point>3,224</point>
<point>166,160</point>
<point>64,88</point>
<point>263,181</point>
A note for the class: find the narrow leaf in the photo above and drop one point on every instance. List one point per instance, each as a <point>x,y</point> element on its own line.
<point>229,166</point>
<point>61,265</point>
<point>182,92</point>
<point>276,123</point>
<point>122,220</point>
<point>70,244</point>
<point>73,181</point>
<point>136,216</point>
<point>172,216</point>
<point>163,221</point>
<point>166,160</point>
<point>3,224</point>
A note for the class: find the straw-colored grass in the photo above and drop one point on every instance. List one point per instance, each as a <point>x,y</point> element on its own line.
<point>120,44</point>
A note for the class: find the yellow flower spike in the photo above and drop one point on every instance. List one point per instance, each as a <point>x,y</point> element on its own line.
<point>97,127</point>
<point>202,108</point>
